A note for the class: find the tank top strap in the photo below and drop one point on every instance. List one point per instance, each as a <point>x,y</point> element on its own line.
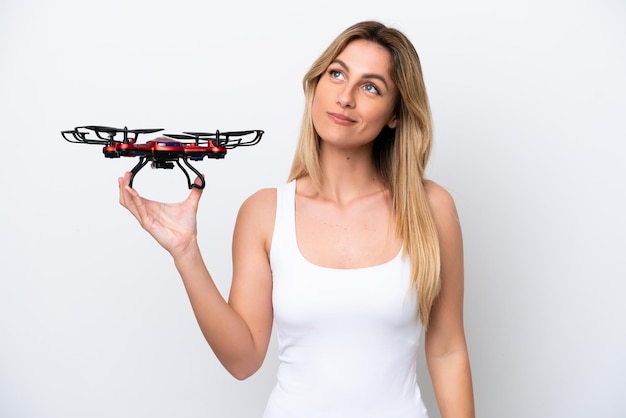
<point>284,238</point>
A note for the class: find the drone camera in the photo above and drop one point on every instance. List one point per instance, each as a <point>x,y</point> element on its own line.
<point>162,164</point>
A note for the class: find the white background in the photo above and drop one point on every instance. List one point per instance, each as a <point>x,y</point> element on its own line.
<point>529,108</point>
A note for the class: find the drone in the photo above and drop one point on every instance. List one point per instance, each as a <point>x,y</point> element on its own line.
<point>165,151</point>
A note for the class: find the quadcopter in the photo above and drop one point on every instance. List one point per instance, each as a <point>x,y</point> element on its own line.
<point>164,151</point>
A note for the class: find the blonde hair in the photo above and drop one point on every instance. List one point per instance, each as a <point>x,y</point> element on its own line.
<point>400,155</point>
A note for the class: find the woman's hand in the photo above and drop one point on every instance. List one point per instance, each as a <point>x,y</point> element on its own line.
<point>172,225</point>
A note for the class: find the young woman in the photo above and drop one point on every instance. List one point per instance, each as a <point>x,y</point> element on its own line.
<point>351,259</point>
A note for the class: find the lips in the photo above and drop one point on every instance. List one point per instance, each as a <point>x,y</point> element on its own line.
<point>340,119</point>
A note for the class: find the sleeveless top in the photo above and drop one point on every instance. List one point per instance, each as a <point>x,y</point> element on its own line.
<point>347,338</point>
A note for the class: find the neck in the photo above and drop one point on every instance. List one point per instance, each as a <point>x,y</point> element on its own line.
<point>348,174</point>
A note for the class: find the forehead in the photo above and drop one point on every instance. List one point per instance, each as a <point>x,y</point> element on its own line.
<point>366,57</point>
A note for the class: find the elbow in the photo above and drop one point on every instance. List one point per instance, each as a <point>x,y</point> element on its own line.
<point>243,371</point>
<point>241,375</point>
<point>241,363</point>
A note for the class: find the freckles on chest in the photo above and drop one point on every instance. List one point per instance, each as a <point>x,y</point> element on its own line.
<point>347,235</point>
<point>345,239</point>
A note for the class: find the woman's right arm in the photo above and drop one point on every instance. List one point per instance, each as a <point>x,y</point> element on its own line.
<point>239,330</point>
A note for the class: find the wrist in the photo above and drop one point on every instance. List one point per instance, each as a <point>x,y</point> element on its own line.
<point>188,253</point>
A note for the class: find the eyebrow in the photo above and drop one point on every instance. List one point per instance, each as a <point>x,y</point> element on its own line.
<point>367,75</point>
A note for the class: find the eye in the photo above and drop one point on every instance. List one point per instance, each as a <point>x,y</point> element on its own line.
<point>371,88</point>
<point>335,74</point>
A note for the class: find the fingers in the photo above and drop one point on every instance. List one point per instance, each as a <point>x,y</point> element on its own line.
<point>147,211</point>
<point>129,198</point>
<point>124,185</point>
<point>195,194</point>
<point>122,182</point>
<point>199,180</point>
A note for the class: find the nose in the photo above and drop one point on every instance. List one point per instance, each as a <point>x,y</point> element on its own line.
<point>345,97</point>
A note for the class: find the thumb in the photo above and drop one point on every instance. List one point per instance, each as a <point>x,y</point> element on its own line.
<point>196,191</point>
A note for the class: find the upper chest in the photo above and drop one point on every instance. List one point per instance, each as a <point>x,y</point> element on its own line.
<point>358,234</point>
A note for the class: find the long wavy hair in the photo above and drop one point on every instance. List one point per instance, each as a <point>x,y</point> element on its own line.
<point>400,155</point>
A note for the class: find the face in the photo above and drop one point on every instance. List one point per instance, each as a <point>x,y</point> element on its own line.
<point>355,97</point>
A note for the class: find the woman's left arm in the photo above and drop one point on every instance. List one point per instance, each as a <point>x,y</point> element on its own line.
<point>446,349</point>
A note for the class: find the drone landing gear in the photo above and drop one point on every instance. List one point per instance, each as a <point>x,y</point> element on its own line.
<point>169,165</point>
<point>191,184</point>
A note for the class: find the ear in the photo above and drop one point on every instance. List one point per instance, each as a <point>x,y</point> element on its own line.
<point>392,122</point>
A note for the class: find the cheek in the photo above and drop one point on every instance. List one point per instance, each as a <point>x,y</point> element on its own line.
<point>378,117</point>
<point>315,110</point>
<point>321,103</point>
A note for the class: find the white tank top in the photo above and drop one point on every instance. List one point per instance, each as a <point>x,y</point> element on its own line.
<point>347,338</point>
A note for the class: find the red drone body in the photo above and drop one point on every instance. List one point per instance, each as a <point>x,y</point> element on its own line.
<point>164,151</point>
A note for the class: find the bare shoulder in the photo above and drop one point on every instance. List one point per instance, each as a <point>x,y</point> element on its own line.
<point>260,201</point>
<point>441,204</point>
<point>444,213</point>
<point>257,214</point>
